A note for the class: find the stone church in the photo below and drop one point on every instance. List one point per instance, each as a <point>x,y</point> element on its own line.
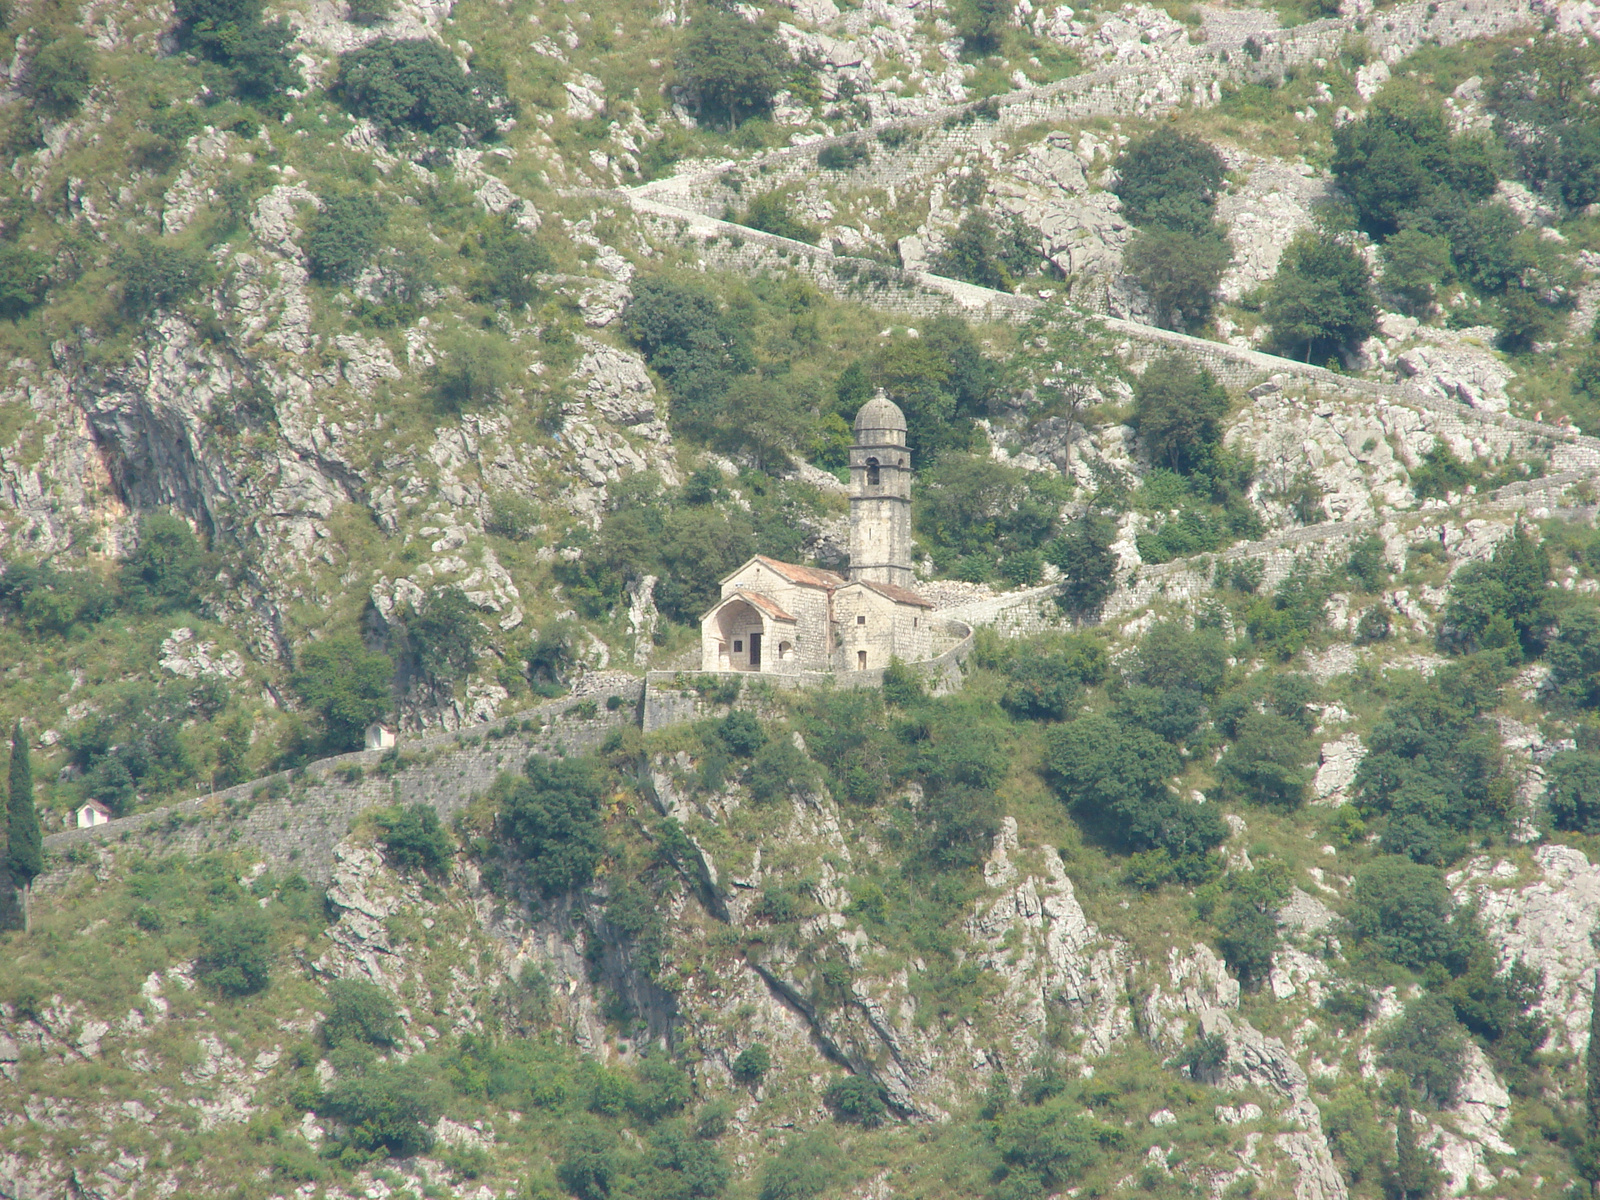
<point>781,619</point>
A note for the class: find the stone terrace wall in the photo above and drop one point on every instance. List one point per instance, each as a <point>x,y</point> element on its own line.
<point>674,696</point>
<point>1035,610</point>
<point>724,246</point>
<point>297,828</point>
<point>917,148</point>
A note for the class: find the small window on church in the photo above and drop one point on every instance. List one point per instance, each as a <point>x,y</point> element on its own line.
<point>861,620</point>
<point>913,622</point>
<point>738,645</point>
<point>861,660</point>
<point>872,472</point>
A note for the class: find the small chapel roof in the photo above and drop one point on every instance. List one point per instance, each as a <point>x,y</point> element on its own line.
<point>795,573</point>
<point>765,603</point>
<point>899,595</point>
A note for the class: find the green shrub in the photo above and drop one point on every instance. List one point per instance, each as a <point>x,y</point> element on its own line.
<point>1414,265</point>
<point>662,1088</point>
<point>472,371</point>
<point>1400,156</point>
<point>343,236</point>
<point>512,261</point>
<point>1266,763</point>
<point>360,1013</point>
<point>803,1170</point>
<point>550,817</point>
<point>236,952</point>
<point>752,1065</point>
<point>731,68</point>
<point>368,12</point>
<point>770,214</point>
<point>390,1107</point>
<point>57,79</point>
<point>1502,602</point>
<point>413,838</point>
<point>347,685</point>
<point>1402,911</point>
<point>857,1100</point>
<point>1048,1147</point>
<point>1180,272</point>
<point>1178,408</point>
<point>416,84</point>
<point>513,516</point>
<point>1427,1047</point>
<point>741,733</point>
<point>686,336</point>
<point>24,278</point>
<point>1087,563</point>
<point>1320,301</point>
<point>988,253</point>
<point>442,639</point>
<point>843,156</point>
<point>1169,179</point>
<point>155,275</point>
<point>167,568</point>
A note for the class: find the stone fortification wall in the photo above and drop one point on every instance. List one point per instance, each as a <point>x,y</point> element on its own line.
<point>1035,610</point>
<point>908,152</point>
<point>671,697</point>
<point>296,818</point>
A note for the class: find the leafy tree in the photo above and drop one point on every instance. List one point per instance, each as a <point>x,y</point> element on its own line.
<point>24,278</point>
<point>236,952</point>
<point>752,1064</point>
<point>1366,565</point>
<point>56,81</point>
<point>1574,657</point>
<point>778,770</point>
<point>390,1107</point>
<point>1179,271</point>
<point>971,506</point>
<point>1041,688</point>
<point>443,637</point>
<point>1048,1147</point>
<point>347,685</point>
<point>1265,764</point>
<point>1414,264</point>
<point>1427,1046</point>
<point>1502,602</point>
<point>261,65</point>
<point>857,1100</point>
<point>512,259</point>
<point>1399,155</point>
<point>1178,407</point>
<point>770,214</point>
<point>550,816</point>
<point>987,254</point>
<point>1546,112</point>
<point>24,840</point>
<point>762,419</point>
<point>1087,563</point>
<point>343,236</point>
<point>472,371</point>
<point>1403,911</point>
<point>1320,301</point>
<point>1114,776</point>
<point>1248,938</point>
<point>167,568</point>
<point>940,380</point>
<point>156,275</point>
<point>360,1012</point>
<point>688,338</point>
<point>982,24</point>
<point>413,838</point>
<point>730,66</point>
<point>1171,655</point>
<point>1169,179</point>
<point>417,84</point>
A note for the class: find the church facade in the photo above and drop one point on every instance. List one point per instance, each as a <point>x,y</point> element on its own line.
<point>783,619</point>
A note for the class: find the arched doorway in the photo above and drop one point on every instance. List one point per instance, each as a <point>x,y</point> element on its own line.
<point>739,630</point>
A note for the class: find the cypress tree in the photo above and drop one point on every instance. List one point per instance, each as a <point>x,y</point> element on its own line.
<point>1414,1171</point>
<point>1588,1155</point>
<point>24,842</point>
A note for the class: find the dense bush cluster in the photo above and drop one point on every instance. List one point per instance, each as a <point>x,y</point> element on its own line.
<point>416,85</point>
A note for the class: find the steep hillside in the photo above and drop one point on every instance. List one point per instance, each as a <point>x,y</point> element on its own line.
<point>429,365</point>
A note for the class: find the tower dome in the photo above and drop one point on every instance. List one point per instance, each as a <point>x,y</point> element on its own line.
<point>880,415</point>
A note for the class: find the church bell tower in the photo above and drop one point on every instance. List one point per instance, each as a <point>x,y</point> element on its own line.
<point>880,496</point>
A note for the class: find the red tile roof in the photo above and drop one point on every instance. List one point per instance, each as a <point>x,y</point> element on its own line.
<point>807,576</point>
<point>898,594</point>
<point>761,602</point>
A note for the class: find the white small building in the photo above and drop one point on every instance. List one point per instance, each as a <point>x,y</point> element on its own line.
<point>92,814</point>
<point>379,737</point>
